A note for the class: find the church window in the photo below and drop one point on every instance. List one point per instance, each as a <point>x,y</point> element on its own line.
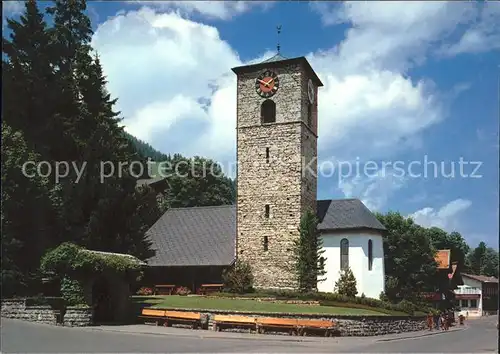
<point>267,211</point>
<point>309,114</point>
<point>344,254</point>
<point>266,243</point>
<point>268,111</point>
<point>370,254</point>
<point>267,155</point>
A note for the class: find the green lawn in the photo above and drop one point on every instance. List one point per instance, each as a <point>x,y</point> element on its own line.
<point>202,303</point>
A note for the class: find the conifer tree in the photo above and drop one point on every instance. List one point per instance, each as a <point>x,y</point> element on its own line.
<point>308,251</point>
<point>70,36</point>
<point>346,285</point>
<point>104,214</point>
<point>28,78</point>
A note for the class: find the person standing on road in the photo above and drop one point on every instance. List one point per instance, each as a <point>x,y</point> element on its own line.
<point>430,321</point>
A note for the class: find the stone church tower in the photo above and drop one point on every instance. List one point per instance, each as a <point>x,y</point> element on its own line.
<point>277,126</point>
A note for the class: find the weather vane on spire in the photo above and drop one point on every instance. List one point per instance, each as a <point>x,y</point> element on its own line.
<point>278,28</point>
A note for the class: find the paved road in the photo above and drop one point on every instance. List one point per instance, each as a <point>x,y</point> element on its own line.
<point>480,336</point>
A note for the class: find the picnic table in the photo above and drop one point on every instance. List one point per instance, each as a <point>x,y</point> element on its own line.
<point>165,289</point>
<point>210,288</point>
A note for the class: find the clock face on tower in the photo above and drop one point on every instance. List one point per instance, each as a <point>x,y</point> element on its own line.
<point>267,84</point>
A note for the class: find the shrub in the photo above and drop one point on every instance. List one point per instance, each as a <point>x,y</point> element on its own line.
<point>239,278</point>
<point>72,291</point>
<point>144,291</point>
<point>70,259</point>
<point>182,290</point>
<point>346,285</point>
<point>383,297</point>
<point>407,306</point>
<point>355,305</point>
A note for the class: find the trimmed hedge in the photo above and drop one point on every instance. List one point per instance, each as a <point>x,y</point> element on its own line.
<point>332,299</point>
<point>361,306</point>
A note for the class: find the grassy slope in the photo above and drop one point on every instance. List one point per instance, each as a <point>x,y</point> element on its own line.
<point>196,302</point>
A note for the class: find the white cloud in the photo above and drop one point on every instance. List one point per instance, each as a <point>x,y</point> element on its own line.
<point>10,9</point>
<point>399,34</point>
<point>483,35</point>
<point>394,34</point>
<point>381,109</point>
<point>373,189</point>
<point>176,91</point>
<point>447,217</point>
<point>222,10</point>
<point>163,67</point>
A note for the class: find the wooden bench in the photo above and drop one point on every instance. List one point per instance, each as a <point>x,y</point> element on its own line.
<point>280,324</point>
<point>210,288</point>
<point>194,318</point>
<point>166,289</point>
<point>221,321</point>
<point>307,326</point>
<point>158,316</point>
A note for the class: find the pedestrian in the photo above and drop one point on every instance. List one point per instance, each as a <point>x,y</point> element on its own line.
<point>436,320</point>
<point>430,320</point>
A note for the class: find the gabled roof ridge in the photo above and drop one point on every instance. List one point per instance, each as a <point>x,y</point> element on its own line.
<point>340,199</point>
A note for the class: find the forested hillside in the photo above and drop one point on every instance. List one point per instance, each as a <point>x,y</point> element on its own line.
<point>146,150</point>
<point>193,181</point>
<point>59,118</point>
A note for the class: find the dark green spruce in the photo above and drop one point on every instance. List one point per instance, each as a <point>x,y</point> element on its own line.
<point>309,262</point>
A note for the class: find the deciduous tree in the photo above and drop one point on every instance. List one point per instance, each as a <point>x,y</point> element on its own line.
<point>410,268</point>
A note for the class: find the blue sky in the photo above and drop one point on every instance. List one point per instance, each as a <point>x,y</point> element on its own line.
<point>403,82</point>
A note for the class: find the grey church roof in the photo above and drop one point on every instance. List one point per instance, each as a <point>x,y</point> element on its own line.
<point>198,236</point>
<point>203,236</point>
<point>277,57</point>
<point>345,214</point>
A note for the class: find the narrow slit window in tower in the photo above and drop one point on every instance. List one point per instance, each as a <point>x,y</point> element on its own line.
<point>267,211</point>
<point>266,243</point>
<point>309,114</point>
<point>267,154</point>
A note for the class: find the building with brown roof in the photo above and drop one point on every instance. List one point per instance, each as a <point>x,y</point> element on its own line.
<point>478,295</point>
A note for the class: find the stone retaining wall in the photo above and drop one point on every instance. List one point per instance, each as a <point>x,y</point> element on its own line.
<point>73,316</point>
<point>16,308</point>
<point>358,326</point>
<point>78,316</point>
